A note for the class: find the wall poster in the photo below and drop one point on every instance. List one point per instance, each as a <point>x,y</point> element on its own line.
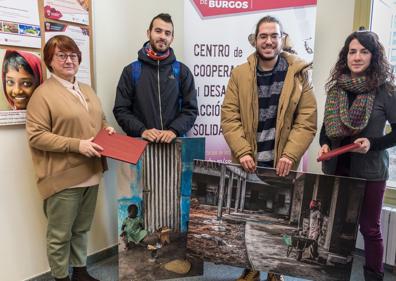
<point>20,23</point>
<point>82,38</point>
<point>75,11</point>
<point>21,74</point>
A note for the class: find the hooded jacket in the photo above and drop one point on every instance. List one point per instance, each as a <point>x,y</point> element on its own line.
<point>296,116</point>
<point>32,60</point>
<point>154,101</point>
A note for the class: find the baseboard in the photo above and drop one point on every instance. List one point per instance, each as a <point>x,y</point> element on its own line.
<point>91,259</point>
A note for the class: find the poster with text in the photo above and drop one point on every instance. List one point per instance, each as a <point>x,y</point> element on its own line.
<point>81,37</point>
<point>211,56</point>
<point>21,74</point>
<point>20,23</point>
<point>67,10</point>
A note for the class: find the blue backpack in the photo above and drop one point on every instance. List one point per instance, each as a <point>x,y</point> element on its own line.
<point>137,71</point>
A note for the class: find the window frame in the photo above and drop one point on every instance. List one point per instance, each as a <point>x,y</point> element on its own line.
<point>363,17</point>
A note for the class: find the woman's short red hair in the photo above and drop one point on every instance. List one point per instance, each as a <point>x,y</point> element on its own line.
<point>64,43</point>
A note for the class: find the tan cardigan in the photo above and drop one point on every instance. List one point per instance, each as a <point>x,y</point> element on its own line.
<point>296,117</point>
<point>56,121</point>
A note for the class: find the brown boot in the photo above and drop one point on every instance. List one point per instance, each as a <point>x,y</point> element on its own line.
<point>81,274</point>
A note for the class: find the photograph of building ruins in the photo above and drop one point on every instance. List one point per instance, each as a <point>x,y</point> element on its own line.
<point>303,225</point>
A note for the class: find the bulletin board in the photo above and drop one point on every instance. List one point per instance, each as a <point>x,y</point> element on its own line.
<point>25,27</point>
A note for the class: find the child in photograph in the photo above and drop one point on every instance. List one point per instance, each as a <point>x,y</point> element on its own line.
<point>132,227</point>
<point>315,227</point>
<point>21,74</point>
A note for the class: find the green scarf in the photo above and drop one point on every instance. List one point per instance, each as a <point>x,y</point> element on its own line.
<point>341,120</point>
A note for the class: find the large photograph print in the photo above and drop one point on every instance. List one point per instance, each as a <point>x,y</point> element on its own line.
<point>153,212</point>
<point>303,225</point>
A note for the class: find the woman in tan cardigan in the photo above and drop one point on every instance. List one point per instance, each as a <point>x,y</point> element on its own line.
<point>63,116</point>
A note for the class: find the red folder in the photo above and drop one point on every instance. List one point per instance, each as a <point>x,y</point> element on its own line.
<point>120,147</point>
<point>337,151</point>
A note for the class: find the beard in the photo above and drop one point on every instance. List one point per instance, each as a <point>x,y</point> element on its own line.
<point>268,58</point>
<point>157,50</point>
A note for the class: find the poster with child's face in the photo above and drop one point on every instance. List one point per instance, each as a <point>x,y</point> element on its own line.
<point>21,74</point>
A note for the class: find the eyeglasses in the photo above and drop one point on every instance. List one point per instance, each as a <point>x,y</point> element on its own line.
<point>62,57</point>
<point>273,37</point>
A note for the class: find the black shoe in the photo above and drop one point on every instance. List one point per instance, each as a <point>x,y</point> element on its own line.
<point>81,274</point>
<point>370,275</point>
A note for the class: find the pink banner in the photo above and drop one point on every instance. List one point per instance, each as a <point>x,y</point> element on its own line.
<point>209,8</point>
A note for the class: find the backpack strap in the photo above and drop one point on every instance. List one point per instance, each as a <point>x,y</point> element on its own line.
<point>176,74</point>
<point>136,71</point>
<point>176,71</point>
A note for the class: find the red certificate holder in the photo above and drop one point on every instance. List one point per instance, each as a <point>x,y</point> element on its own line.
<point>337,151</point>
<point>120,147</point>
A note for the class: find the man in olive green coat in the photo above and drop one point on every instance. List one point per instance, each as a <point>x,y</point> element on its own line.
<point>269,111</point>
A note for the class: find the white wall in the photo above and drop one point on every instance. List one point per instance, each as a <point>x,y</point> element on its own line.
<point>334,23</point>
<point>119,31</point>
<point>23,225</point>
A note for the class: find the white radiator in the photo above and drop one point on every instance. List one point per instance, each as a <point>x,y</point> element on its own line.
<point>388,229</point>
